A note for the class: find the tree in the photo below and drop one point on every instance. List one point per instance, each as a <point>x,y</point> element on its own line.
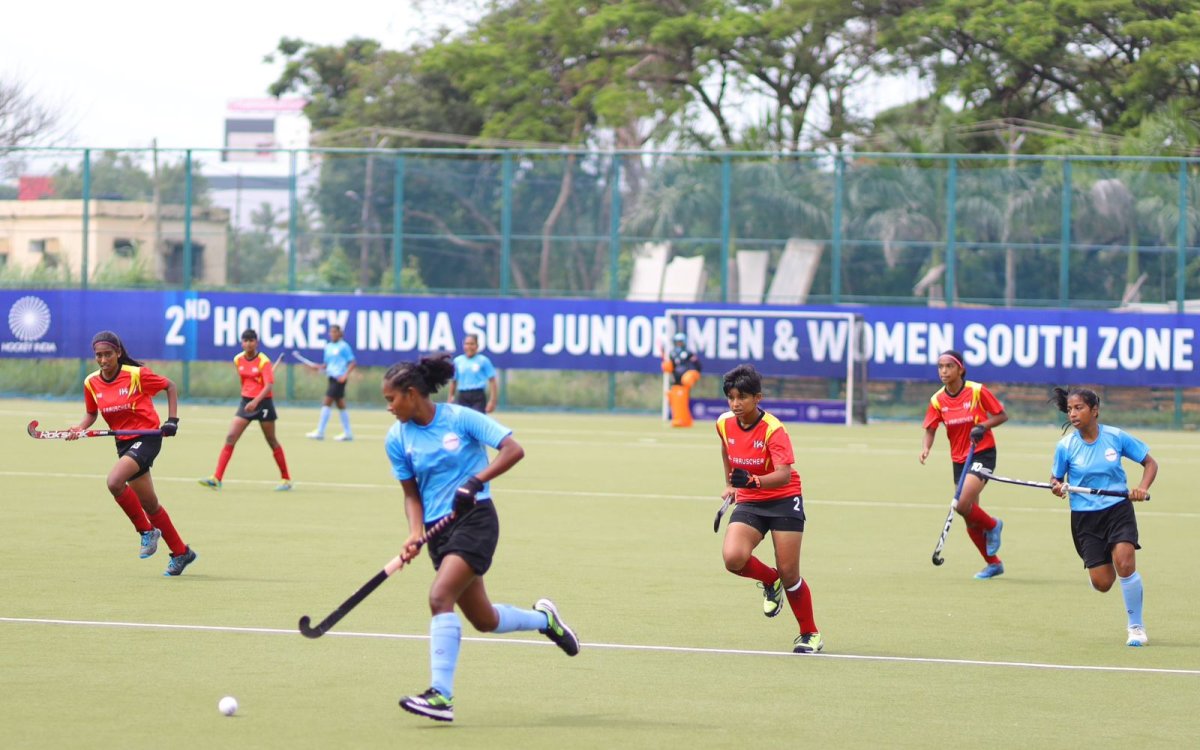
<point>117,175</point>
<point>255,255</point>
<point>362,96</point>
<point>24,120</point>
<point>1104,64</point>
<point>551,72</point>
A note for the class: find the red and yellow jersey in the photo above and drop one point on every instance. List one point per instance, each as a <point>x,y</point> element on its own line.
<point>759,450</point>
<point>257,373</point>
<point>127,402</point>
<point>960,412</point>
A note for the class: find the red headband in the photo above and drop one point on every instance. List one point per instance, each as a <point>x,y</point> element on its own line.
<point>957,361</point>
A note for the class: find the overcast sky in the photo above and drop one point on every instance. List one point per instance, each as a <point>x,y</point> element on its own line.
<point>123,73</point>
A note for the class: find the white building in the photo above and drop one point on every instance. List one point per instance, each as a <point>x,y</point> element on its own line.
<point>252,171</point>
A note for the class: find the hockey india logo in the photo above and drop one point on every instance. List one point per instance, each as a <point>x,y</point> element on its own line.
<point>29,318</point>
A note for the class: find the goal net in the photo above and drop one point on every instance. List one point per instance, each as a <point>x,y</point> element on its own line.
<point>812,362</point>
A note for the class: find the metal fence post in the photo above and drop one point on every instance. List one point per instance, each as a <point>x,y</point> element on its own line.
<point>188,258</point>
<point>726,180</point>
<point>398,226</point>
<point>951,229</point>
<point>293,224</point>
<point>1181,240</point>
<point>614,227</point>
<point>835,271</point>
<point>87,210</point>
<point>1064,244</point>
<point>187,219</point>
<point>506,177</point>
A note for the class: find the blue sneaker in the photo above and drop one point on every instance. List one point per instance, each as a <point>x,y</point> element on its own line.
<point>149,543</point>
<point>284,486</point>
<point>212,483</point>
<point>993,538</point>
<point>991,571</point>
<point>179,562</point>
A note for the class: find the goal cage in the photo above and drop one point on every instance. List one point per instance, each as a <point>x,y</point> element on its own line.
<point>813,365</point>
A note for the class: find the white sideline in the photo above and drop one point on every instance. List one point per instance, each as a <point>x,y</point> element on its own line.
<point>612,646</point>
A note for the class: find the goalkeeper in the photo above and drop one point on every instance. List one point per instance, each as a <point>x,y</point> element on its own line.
<point>684,367</point>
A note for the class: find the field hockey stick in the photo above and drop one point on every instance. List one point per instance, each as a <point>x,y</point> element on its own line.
<point>724,507</point>
<point>937,551</point>
<point>1066,487</point>
<point>303,359</point>
<point>37,434</point>
<point>396,563</point>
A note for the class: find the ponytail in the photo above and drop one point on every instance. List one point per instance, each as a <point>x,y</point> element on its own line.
<point>426,375</point>
<point>1059,396</point>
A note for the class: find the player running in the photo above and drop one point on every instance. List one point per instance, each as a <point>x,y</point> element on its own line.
<point>970,412</point>
<point>258,381</point>
<point>438,453</point>
<point>1105,528</point>
<point>758,458</point>
<point>122,391</point>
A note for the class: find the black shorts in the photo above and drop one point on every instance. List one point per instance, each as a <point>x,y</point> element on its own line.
<point>266,410</point>
<point>476,398</point>
<point>983,460</point>
<point>472,537</point>
<point>1096,532</point>
<point>143,450</point>
<point>335,390</point>
<point>771,515</point>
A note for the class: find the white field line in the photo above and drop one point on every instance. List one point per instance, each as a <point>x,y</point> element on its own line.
<point>611,646</point>
<point>715,502</point>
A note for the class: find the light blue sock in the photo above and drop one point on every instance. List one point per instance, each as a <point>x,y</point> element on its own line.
<point>345,415</point>
<point>445,634</point>
<point>512,619</point>
<point>324,420</point>
<point>1131,589</point>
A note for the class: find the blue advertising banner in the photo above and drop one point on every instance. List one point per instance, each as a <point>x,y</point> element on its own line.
<point>800,410</point>
<point>897,343</point>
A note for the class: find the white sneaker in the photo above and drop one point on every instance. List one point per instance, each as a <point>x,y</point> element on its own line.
<point>1137,636</point>
<point>315,436</point>
<point>344,438</point>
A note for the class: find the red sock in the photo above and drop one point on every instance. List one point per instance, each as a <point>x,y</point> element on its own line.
<point>128,500</point>
<point>162,522</point>
<point>800,599</point>
<point>281,462</point>
<point>979,538</point>
<point>759,571</point>
<point>223,461</point>
<point>979,517</point>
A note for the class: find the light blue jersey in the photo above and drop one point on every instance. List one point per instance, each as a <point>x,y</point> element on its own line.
<point>337,358</point>
<point>473,373</point>
<point>443,454</point>
<point>1096,465</point>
